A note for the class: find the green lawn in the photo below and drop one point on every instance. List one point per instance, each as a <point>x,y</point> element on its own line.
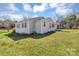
<point>60,43</point>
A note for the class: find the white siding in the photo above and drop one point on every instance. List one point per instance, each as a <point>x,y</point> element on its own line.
<point>30,26</point>
<point>21,29</point>
<point>47,28</point>
<point>38,26</point>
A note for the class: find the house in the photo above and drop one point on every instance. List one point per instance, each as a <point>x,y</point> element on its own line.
<point>2,26</point>
<point>38,25</point>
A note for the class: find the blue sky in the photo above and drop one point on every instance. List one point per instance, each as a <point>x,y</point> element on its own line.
<point>53,10</point>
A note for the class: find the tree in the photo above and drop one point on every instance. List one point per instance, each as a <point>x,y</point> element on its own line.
<point>7,24</point>
<point>69,21</point>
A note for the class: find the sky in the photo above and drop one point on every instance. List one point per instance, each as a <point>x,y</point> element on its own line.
<point>53,10</point>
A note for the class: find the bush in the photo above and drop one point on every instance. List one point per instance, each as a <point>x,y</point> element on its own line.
<point>13,30</point>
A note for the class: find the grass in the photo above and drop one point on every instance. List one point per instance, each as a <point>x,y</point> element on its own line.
<point>60,43</point>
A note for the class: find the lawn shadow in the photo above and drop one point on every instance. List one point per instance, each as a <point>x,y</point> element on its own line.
<point>17,36</point>
<point>62,30</point>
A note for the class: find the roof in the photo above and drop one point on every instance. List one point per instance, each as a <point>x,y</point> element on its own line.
<point>38,18</point>
<point>35,18</point>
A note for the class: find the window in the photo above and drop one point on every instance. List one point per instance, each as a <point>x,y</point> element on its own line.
<point>25,24</point>
<point>22,25</point>
<point>44,24</point>
<point>52,25</point>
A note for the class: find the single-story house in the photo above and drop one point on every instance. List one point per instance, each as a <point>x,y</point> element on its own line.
<point>2,26</point>
<point>38,25</point>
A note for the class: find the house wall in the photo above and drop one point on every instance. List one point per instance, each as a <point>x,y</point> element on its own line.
<point>46,28</point>
<point>31,26</point>
<point>53,28</point>
<point>37,27</point>
<point>21,29</point>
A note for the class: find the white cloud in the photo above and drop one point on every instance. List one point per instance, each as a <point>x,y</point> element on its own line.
<point>27,7</point>
<point>15,16</point>
<point>53,5</point>
<point>40,8</point>
<point>12,7</point>
<point>35,16</point>
<point>61,8</point>
<point>62,11</point>
<point>56,5</point>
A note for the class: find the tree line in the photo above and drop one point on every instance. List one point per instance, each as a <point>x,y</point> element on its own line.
<point>7,24</point>
<point>70,21</point>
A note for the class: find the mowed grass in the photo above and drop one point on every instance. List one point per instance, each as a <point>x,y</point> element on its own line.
<point>60,43</point>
